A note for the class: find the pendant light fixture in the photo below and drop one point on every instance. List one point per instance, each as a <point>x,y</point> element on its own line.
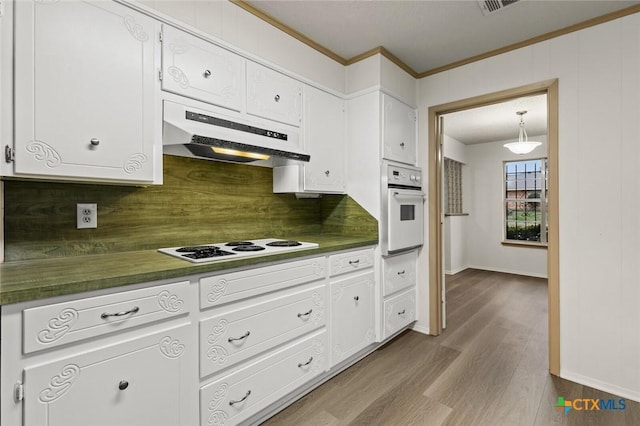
<point>524,145</point>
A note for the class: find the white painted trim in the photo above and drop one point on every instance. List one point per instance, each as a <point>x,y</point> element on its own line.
<point>457,270</point>
<point>508,271</point>
<point>420,329</point>
<point>603,386</point>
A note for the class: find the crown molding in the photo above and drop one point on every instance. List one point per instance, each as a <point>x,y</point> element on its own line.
<point>384,52</point>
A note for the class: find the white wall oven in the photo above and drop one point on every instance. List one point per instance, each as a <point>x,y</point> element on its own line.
<point>402,208</point>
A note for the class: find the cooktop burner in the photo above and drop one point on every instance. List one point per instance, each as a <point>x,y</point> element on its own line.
<point>248,248</point>
<point>284,243</point>
<point>235,249</point>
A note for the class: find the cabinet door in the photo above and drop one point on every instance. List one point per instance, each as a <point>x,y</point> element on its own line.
<point>200,70</point>
<point>324,141</point>
<point>352,315</point>
<point>145,381</point>
<point>399,131</point>
<point>85,97</point>
<point>273,95</point>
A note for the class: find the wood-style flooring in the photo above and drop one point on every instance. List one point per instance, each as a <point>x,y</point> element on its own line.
<point>489,367</point>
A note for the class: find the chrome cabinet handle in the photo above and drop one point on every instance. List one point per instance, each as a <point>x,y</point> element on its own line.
<point>356,298</point>
<point>326,172</point>
<point>244,336</point>
<point>305,314</point>
<point>300,365</point>
<point>354,262</point>
<point>402,313</point>
<point>277,98</point>
<point>402,144</point>
<point>207,73</point>
<point>401,272</point>
<point>133,310</point>
<point>232,403</point>
<point>123,385</point>
<point>95,142</point>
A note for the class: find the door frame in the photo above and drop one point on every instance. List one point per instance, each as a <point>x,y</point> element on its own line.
<point>436,213</point>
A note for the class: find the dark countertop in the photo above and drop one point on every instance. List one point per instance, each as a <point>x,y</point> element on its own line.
<point>23,281</point>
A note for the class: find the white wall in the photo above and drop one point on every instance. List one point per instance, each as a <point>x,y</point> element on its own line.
<point>485,205</point>
<point>599,152</point>
<point>232,24</point>
<point>455,227</point>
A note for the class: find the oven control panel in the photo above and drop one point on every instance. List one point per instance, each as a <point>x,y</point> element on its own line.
<point>404,176</point>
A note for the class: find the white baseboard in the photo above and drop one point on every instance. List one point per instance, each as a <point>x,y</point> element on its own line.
<point>600,385</point>
<point>420,329</point>
<point>508,271</point>
<point>456,270</point>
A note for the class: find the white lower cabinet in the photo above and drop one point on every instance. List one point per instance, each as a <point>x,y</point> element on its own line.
<point>352,315</point>
<point>138,382</point>
<point>233,398</point>
<point>399,274</point>
<point>399,312</point>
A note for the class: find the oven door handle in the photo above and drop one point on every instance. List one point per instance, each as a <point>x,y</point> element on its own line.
<point>413,194</point>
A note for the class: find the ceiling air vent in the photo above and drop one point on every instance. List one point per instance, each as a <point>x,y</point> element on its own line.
<point>492,6</point>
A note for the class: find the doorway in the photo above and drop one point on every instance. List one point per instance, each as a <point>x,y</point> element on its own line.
<point>436,208</point>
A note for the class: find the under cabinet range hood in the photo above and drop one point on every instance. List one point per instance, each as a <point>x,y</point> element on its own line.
<point>193,132</point>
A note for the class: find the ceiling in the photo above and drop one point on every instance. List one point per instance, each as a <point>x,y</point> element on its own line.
<point>498,122</point>
<point>428,34</point>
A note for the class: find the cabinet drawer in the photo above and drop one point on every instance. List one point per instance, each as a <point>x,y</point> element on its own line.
<point>236,397</point>
<point>273,95</point>
<point>200,70</point>
<point>399,272</point>
<point>352,315</point>
<point>226,288</point>
<point>399,311</point>
<point>140,382</point>
<point>238,334</point>
<point>54,325</point>
<point>351,261</point>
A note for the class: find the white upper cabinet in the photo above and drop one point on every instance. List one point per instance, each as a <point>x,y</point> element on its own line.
<point>273,95</point>
<point>324,129</point>
<point>398,131</point>
<point>201,70</point>
<point>84,92</point>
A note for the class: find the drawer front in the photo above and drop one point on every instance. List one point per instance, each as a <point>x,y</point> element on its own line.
<point>399,311</point>
<point>399,272</point>
<point>238,396</point>
<point>235,335</point>
<point>351,261</point>
<point>144,381</point>
<point>54,325</point>
<point>200,70</point>
<point>352,315</point>
<point>273,95</point>
<point>226,288</point>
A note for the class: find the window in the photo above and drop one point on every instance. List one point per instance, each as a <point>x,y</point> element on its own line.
<point>525,201</point>
<point>453,187</point>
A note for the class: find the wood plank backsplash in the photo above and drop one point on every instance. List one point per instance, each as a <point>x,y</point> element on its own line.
<point>199,202</point>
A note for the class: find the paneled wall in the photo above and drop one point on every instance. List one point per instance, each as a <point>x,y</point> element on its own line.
<point>599,104</point>
<point>200,202</point>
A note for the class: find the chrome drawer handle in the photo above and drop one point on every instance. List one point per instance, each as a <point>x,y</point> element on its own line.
<point>95,142</point>
<point>402,313</point>
<point>300,365</point>
<point>232,403</point>
<point>402,144</point>
<point>123,385</point>
<point>277,98</point>
<point>327,172</point>
<point>354,262</point>
<point>244,336</point>
<point>401,272</point>
<point>305,314</point>
<point>207,73</point>
<point>356,298</point>
<point>133,310</point>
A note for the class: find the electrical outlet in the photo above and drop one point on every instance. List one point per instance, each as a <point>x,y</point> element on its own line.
<point>87,215</point>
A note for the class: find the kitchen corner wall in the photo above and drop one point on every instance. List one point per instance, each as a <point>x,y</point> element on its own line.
<point>200,202</point>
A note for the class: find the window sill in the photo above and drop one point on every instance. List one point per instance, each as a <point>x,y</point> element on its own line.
<point>528,244</point>
<point>456,214</point>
